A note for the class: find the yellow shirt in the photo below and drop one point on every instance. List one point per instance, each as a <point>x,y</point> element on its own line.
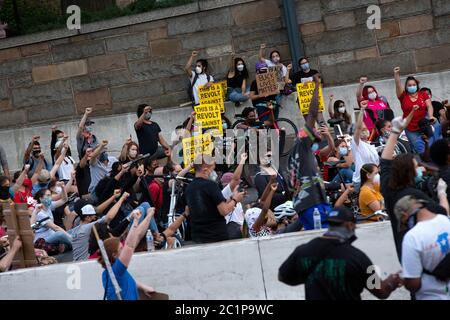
<point>368,195</point>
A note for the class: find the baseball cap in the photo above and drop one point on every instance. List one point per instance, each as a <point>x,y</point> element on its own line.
<point>78,206</point>
<point>260,66</point>
<point>88,210</point>
<point>341,214</point>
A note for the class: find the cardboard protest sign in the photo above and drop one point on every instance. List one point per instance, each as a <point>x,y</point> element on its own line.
<point>212,95</point>
<point>267,84</point>
<point>196,145</point>
<point>305,93</point>
<point>278,70</point>
<point>208,116</point>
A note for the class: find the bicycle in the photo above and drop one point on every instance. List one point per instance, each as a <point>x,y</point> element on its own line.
<point>286,129</point>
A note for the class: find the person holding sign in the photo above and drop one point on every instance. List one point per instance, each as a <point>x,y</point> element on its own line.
<point>237,81</point>
<point>305,74</point>
<point>197,78</point>
<point>264,95</point>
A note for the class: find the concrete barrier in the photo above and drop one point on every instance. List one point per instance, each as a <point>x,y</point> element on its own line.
<point>240,269</point>
<point>116,128</point>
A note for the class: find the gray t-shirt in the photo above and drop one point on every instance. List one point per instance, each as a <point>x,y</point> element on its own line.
<point>80,240</point>
<point>99,171</point>
<point>44,231</point>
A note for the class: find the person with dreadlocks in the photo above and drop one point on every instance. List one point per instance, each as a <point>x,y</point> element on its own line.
<point>305,178</point>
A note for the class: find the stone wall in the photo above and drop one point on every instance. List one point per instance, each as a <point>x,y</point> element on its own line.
<point>115,65</point>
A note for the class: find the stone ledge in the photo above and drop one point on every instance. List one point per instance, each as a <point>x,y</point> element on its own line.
<point>198,6</point>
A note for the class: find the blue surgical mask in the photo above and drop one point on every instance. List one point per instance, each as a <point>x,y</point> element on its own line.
<point>305,66</point>
<point>315,147</point>
<point>224,126</point>
<point>412,89</point>
<point>343,151</point>
<point>47,201</point>
<point>419,175</point>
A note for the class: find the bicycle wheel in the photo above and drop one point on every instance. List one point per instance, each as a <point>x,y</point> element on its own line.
<point>237,122</point>
<point>291,131</point>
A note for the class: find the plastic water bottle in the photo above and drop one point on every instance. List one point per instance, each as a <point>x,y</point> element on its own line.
<point>149,238</point>
<point>317,219</point>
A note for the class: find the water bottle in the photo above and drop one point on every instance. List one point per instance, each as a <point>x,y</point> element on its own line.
<point>317,219</point>
<point>149,238</point>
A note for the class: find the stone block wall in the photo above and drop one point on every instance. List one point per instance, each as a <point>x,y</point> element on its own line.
<point>115,65</point>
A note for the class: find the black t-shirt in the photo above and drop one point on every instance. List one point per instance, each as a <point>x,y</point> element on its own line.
<point>392,196</point>
<point>148,137</point>
<point>305,76</point>
<point>236,81</point>
<point>329,269</point>
<point>83,177</point>
<point>305,175</point>
<point>207,224</point>
<point>280,196</point>
<point>254,87</point>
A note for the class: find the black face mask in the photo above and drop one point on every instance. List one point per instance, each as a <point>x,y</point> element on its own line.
<point>4,193</point>
<point>251,121</point>
<point>36,152</point>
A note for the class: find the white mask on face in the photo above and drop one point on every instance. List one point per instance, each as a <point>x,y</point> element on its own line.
<point>198,69</point>
<point>376,178</point>
<point>276,60</point>
<point>57,190</point>
<point>213,176</point>
<point>372,96</point>
<point>240,67</point>
<point>341,109</point>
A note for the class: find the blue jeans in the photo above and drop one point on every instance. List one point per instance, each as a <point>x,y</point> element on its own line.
<point>235,95</point>
<point>307,219</point>
<point>414,138</point>
<point>143,207</point>
<point>59,237</point>
<point>347,175</point>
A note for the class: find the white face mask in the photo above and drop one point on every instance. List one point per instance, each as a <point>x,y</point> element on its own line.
<point>132,153</point>
<point>372,96</point>
<point>276,60</point>
<point>341,109</point>
<point>240,67</point>
<point>57,190</point>
<point>198,70</point>
<point>376,178</point>
<point>213,176</point>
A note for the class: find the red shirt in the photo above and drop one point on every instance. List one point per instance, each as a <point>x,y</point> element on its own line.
<point>156,192</point>
<point>407,106</point>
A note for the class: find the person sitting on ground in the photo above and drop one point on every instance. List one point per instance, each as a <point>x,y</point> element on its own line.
<point>237,81</point>
<point>424,247</point>
<point>85,138</point>
<point>33,156</point>
<point>440,112</point>
<point>429,134</point>
<point>259,219</point>
<point>46,231</point>
<point>130,151</point>
<point>199,77</point>
<point>341,152</point>
<point>308,262</point>
<point>120,257</point>
<point>148,132</point>
<point>7,257</point>
<point>207,205</point>
<point>286,218</point>
<point>100,165</point>
<point>339,112</point>
<point>398,179</point>
<point>80,234</point>
<point>249,115</point>
<point>262,103</point>
<point>305,74</point>
<point>370,197</point>
<point>375,105</point>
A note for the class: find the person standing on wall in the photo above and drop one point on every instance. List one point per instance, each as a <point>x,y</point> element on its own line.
<point>199,77</point>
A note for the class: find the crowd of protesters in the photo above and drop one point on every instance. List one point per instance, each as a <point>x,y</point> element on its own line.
<point>388,166</point>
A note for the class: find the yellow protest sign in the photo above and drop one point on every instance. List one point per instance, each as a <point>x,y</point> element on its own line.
<point>196,145</point>
<point>224,85</point>
<point>212,95</point>
<point>208,116</point>
<point>305,93</point>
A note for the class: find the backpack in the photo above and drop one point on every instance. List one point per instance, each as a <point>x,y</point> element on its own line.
<point>190,90</point>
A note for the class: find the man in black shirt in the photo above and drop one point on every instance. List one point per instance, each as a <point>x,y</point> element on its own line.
<point>148,132</point>
<point>331,268</point>
<point>207,205</point>
<point>440,154</point>
<point>83,174</point>
<point>306,74</point>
